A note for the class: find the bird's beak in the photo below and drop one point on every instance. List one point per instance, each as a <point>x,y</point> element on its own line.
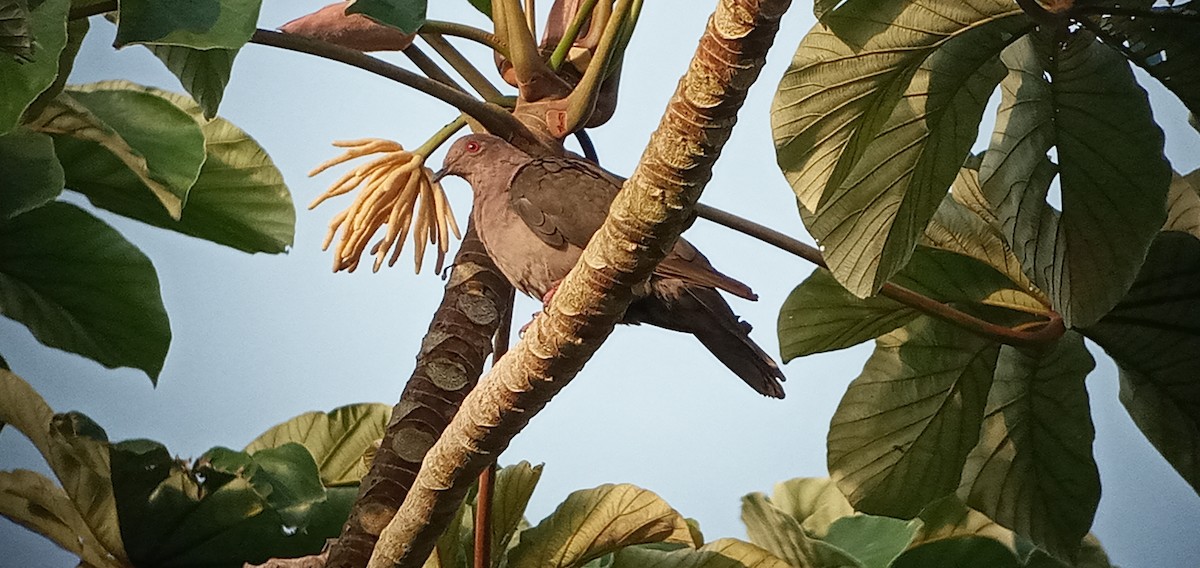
<point>438,175</point>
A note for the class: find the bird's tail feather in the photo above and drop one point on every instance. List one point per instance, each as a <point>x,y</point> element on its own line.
<point>704,313</point>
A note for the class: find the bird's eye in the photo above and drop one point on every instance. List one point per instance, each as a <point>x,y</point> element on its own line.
<point>472,147</point>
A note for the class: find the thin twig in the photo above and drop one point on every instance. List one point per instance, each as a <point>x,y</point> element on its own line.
<point>487,479</point>
<point>1047,332</point>
<point>466,32</point>
<point>429,67</point>
<point>463,67</point>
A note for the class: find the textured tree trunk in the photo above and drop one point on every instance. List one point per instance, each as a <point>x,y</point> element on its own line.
<point>449,363</point>
<point>644,222</point>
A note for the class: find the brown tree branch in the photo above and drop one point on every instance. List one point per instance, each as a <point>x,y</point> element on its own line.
<point>644,222</point>
<point>450,361</point>
<point>1041,333</point>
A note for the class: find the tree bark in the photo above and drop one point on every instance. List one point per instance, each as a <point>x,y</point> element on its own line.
<point>645,219</point>
<point>448,365</point>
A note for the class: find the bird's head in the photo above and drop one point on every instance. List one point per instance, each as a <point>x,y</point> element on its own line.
<point>476,154</point>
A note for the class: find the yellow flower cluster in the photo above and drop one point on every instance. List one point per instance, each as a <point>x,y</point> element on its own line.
<point>399,191</point>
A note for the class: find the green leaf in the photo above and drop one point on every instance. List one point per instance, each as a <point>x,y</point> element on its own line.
<point>76,30</point>
<point>199,24</point>
<point>964,224</point>
<point>874,541</point>
<point>781,535</point>
<point>822,7</point>
<point>80,459</point>
<point>1033,470</point>
<point>337,439</point>
<point>1183,204</point>
<point>34,502</point>
<point>23,82</point>
<point>78,285</point>
<point>902,431</point>
<point>1164,42</point>
<point>873,118</point>
<point>405,15</point>
<point>170,518</point>
<point>286,477</point>
<point>15,37</point>
<point>949,519</point>
<point>595,522</point>
<point>1154,336</point>
<point>815,502</point>
<point>820,315</point>
<point>32,174</point>
<point>26,410</point>
<point>484,6</point>
<point>722,553</point>
<point>513,489</point>
<point>964,552</point>
<point>238,200</point>
<point>1114,177</point>
<point>204,73</point>
<point>158,143</point>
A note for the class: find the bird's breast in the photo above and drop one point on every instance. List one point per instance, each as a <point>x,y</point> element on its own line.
<point>529,263</point>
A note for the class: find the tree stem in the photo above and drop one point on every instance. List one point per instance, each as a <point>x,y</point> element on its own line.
<point>582,100</point>
<point>646,217</point>
<point>466,32</point>
<point>1043,334</point>
<point>464,67</point>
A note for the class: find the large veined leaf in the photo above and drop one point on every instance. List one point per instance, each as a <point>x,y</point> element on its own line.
<point>200,24</point>
<point>721,553</point>
<point>1161,40</point>
<point>902,431</point>
<point>1033,470</point>
<point>24,81</point>
<point>1083,101</point>
<point>874,116</point>
<point>238,199</point>
<point>36,503</point>
<point>815,502</point>
<point>76,31</point>
<point>336,439</point>
<point>1183,204</point>
<point>406,15</point>
<point>949,519</point>
<point>204,73</point>
<point>159,144</point>
<point>965,552</point>
<point>32,174</point>
<point>15,38</point>
<point>247,509</point>
<point>781,535</point>
<point>964,224</point>
<point>820,315</point>
<point>594,522</point>
<point>874,541</point>
<point>80,459</point>
<point>513,488</point>
<point>24,409</point>
<point>1154,336</point>
<point>78,285</point>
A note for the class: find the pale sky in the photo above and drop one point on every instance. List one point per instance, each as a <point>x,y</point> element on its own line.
<point>259,339</point>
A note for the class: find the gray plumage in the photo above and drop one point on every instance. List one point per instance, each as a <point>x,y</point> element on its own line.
<point>535,215</point>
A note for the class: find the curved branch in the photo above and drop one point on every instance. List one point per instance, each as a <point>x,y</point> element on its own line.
<point>1045,332</point>
<point>646,217</point>
<point>466,32</point>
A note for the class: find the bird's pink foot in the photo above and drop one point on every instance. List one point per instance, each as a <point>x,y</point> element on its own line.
<point>549,295</point>
<point>521,332</point>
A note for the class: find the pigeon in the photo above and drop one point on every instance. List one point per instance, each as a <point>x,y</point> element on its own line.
<point>536,215</point>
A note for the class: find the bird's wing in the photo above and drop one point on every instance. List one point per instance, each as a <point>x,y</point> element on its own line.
<point>563,201</point>
<point>686,263</point>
